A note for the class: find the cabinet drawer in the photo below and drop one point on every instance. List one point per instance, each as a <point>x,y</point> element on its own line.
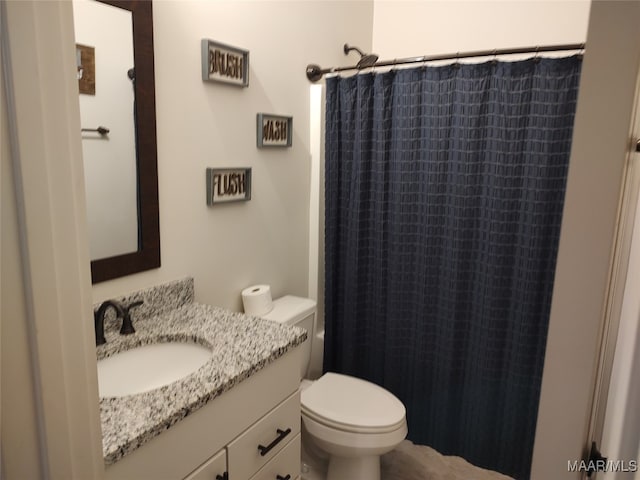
<point>286,464</point>
<point>261,442</point>
<point>212,469</point>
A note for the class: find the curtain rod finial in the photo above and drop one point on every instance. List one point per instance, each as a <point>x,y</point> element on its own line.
<point>314,72</point>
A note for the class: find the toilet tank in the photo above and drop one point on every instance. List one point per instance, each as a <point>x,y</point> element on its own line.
<point>299,312</point>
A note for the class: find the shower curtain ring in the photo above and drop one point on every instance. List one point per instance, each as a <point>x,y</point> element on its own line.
<point>495,57</point>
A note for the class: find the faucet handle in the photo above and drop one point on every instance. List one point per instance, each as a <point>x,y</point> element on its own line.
<point>98,317</point>
<point>127,324</point>
<point>99,328</point>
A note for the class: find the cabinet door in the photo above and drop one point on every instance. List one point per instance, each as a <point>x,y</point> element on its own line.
<point>213,469</point>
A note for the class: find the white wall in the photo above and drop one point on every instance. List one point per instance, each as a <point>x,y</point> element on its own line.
<point>109,161</point>
<point>200,125</point>
<point>404,28</point>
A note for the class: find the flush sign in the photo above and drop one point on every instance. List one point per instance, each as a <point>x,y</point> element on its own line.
<point>228,185</point>
<point>224,63</point>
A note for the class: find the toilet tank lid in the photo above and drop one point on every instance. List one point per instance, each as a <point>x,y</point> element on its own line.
<point>290,309</point>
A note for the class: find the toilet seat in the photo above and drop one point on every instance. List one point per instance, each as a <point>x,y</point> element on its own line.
<point>349,404</point>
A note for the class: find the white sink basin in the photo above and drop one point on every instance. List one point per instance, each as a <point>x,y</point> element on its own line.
<point>149,367</point>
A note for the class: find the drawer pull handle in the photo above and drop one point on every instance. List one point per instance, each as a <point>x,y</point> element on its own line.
<point>224,476</point>
<point>280,477</point>
<point>281,434</point>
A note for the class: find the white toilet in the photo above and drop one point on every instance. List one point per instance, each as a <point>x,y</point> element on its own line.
<point>350,421</point>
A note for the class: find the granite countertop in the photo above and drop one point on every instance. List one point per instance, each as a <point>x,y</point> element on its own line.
<point>241,345</point>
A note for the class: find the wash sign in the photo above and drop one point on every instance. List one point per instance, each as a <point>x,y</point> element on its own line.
<point>274,130</point>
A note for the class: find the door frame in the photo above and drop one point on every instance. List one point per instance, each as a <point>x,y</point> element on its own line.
<point>590,241</point>
<point>56,355</point>
<point>616,292</point>
<point>618,282</point>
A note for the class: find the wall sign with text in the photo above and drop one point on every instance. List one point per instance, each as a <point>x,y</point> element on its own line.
<point>86,65</point>
<point>228,185</point>
<point>274,130</point>
<point>224,63</point>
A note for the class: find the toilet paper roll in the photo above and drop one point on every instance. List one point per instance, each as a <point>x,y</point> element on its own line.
<point>257,300</point>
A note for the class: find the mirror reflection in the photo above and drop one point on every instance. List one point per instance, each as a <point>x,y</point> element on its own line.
<point>116,85</point>
<point>104,52</point>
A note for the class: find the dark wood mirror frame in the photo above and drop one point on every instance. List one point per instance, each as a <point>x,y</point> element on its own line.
<point>148,255</point>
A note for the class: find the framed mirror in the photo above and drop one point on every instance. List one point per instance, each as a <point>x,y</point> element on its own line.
<point>119,134</point>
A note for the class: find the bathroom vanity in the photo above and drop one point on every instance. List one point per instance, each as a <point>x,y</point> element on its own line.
<point>237,417</point>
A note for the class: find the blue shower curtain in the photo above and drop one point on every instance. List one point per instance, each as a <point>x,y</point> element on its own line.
<point>444,195</point>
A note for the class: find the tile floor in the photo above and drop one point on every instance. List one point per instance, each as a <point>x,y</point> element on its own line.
<point>417,462</point>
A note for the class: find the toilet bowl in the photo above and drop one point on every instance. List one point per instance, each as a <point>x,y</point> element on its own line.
<point>348,423</point>
<point>354,422</point>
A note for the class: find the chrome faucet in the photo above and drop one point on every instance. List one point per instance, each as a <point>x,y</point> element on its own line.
<point>122,311</point>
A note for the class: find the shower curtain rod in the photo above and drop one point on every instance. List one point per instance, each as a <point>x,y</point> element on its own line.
<point>315,72</point>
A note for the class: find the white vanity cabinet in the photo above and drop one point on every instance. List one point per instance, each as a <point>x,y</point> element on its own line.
<point>260,414</point>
